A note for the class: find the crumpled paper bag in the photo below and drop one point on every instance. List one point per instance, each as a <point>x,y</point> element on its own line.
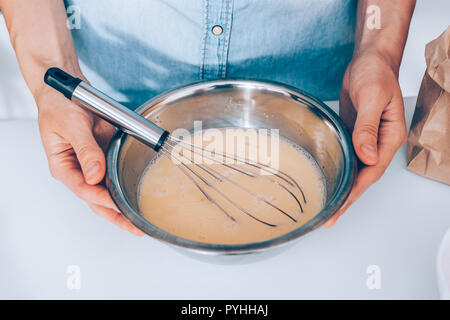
<point>429,136</point>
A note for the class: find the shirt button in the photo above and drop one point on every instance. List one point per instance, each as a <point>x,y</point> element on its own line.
<point>217,30</point>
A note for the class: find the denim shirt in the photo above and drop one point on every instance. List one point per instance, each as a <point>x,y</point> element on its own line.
<point>136,49</point>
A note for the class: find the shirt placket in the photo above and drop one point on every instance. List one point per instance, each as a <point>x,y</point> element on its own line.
<point>217,28</point>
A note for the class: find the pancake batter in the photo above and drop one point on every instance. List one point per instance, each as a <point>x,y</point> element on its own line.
<point>170,201</point>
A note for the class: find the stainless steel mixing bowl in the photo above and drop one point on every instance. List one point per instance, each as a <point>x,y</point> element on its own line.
<point>237,103</point>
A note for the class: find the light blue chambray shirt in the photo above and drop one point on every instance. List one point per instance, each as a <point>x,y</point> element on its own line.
<point>136,49</point>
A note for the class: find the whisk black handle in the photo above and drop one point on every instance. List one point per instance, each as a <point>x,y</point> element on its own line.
<point>61,81</point>
<point>107,108</point>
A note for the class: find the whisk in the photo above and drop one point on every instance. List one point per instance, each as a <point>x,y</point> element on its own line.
<point>201,175</point>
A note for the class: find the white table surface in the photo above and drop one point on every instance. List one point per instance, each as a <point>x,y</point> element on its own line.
<point>44,229</point>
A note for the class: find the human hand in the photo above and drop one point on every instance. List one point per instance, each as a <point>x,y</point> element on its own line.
<point>371,107</point>
<point>75,141</point>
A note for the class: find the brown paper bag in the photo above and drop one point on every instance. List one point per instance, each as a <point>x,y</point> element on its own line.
<point>429,137</point>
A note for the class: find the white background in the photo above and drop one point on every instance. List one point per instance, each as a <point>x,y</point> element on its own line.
<point>430,19</point>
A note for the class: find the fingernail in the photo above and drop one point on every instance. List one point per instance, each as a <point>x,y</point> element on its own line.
<point>329,223</point>
<point>137,232</point>
<point>369,150</point>
<point>92,169</point>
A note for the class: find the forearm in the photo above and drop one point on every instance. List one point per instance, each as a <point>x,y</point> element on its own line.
<point>389,39</point>
<point>40,38</point>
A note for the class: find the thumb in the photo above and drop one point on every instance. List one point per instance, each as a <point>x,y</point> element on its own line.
<point>90,156</point>
<point>365,133</point>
